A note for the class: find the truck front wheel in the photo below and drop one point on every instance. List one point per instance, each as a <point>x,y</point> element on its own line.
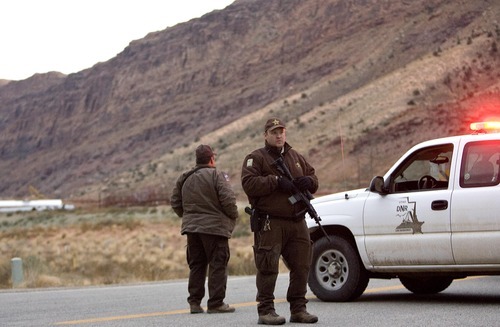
<point>337,273</point>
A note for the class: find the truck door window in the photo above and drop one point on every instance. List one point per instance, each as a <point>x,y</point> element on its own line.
<point>480,164</point>
<point>426,169</point>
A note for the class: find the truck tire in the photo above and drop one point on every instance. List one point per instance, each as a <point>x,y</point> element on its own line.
<point>427,285</point>
<point>337,273</point>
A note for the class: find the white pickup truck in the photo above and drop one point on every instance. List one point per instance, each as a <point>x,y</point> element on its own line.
<point>432,218</point>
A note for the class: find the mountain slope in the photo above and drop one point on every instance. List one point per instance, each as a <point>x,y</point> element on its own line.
<point>369,71</point>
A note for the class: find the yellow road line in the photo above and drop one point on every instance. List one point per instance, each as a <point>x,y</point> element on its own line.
<point>145,315</point>
<point>382,289</point>
<point>141,315</point>
<point>184,311</point>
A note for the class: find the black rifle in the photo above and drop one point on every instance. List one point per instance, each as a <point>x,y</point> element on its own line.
<point>299,196</point>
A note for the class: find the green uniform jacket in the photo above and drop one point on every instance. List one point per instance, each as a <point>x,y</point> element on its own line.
<point>205,201</point>
<point>258,178</point>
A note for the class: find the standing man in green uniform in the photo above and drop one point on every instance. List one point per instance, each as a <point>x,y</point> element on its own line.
<point>283,230</point>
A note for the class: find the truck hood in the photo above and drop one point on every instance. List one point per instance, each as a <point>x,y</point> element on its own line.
<point>346,195</point>
<point>343,208</point>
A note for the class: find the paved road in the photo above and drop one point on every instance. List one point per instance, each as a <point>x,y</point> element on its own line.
<point>469,302</point>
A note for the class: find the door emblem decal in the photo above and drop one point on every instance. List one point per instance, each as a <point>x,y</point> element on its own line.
<point>406,210</point>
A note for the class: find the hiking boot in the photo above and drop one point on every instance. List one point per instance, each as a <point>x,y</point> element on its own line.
<point>196,308</point>
<point>271,319</point>
<point>303,317</point>
<point>224,308</point>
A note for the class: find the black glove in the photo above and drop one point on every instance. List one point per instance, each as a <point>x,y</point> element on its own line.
<point>303,183</point>
<point>285,185</point>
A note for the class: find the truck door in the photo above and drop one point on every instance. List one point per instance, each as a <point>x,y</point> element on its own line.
<point>475,214</point>
<point>411,225</point>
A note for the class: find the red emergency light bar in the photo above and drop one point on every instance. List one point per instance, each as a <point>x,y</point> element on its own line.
<point>486,127</point>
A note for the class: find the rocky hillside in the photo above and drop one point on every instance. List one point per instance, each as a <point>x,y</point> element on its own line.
<point>359,82</point>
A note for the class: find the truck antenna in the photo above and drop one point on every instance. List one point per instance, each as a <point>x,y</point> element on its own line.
<point>342,152</point>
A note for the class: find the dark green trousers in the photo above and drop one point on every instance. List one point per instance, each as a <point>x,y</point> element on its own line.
<point>289,239</point>
<point>207,252</point>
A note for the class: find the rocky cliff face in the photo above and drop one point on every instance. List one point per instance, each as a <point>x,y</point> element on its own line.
<point>172,87</point>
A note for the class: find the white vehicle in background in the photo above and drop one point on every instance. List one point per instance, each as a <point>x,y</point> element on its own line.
<point>33,205</point>
<point>432,218</point>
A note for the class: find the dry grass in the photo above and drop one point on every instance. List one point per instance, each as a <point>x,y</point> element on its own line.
<point>106,246</point>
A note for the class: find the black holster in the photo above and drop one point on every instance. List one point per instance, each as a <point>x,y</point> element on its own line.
<point>255,221</point>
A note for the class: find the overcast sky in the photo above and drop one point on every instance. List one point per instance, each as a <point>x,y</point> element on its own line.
<point>38,36</point>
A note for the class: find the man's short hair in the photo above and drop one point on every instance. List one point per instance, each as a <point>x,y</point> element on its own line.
<point>203,154</point>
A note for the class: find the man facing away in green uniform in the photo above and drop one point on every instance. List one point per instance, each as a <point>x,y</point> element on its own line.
<point>204,199</point>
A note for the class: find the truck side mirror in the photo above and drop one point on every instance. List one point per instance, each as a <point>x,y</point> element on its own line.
<point>377,185</point>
